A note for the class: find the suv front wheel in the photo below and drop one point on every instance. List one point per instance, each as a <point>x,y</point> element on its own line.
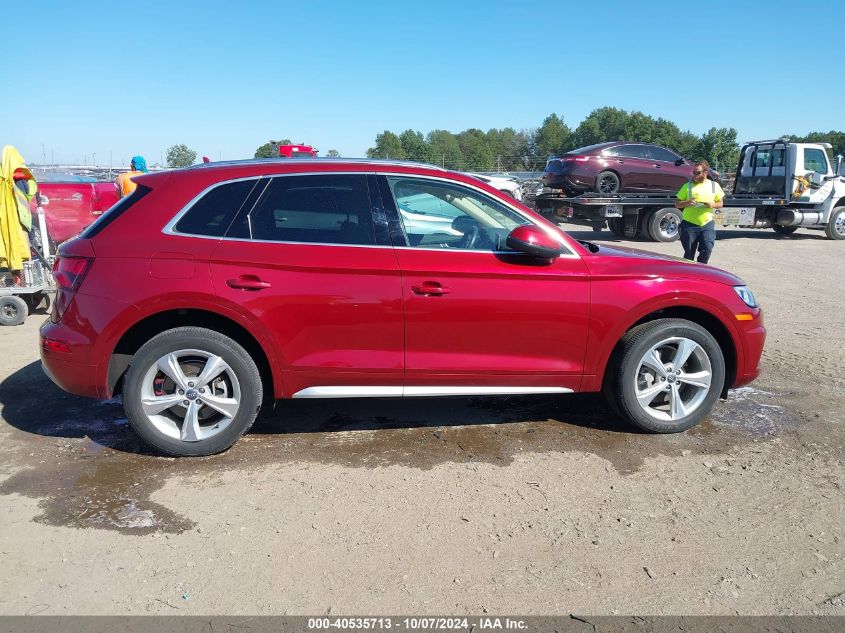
<point>669,377</point>
<point>191,391</point>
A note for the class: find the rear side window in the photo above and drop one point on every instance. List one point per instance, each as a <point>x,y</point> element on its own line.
<point>212,214</point>
<point>554,166</point>
<point>118,209</point>
<point>324,209</point>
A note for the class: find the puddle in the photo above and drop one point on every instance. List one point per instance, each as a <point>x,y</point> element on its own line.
<point>754,411</point>
<point>90,470</point>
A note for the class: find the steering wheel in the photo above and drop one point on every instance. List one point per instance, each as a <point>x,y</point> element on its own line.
<point>470,237</point>
<point>470,230</point>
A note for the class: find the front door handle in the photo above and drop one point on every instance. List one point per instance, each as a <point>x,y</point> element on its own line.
<point>431,289</point>
<point>621,162</point>
<point>657,166</point>
<point>248,282</point>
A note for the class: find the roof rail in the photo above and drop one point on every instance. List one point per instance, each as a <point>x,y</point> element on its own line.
<point>284,161</point>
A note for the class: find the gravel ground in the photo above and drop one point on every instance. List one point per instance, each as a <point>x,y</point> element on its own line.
<point>543,505</point>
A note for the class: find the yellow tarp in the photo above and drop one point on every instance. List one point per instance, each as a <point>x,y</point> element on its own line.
<point>14,246</point>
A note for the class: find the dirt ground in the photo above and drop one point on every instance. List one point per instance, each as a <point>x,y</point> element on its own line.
<point>525,505</point>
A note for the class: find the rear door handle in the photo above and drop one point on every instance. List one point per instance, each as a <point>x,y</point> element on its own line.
<point>621,162</point>
<point>431,289</point>
<point>248,282</point>
<point>657,166</point>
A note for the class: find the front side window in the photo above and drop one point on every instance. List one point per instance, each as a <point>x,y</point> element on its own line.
<point>436,214</point>
<point>212,214</point>
<point>324,209</point>
<point>815,160</point>
<point>659,153</point>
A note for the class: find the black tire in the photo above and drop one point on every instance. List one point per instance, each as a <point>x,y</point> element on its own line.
<point>13,310</point>
<point>632,374</point>
<point>607,182</point>
<point>835,229</point>
<point>616,226</point>
<point>241,381</point>
<point>784,230</point>
<point>664,225</point>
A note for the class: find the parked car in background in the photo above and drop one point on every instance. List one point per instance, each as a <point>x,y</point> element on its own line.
<point>617,167</point>
<point>505,184</point>
<point>71,202</point>
<point>212,287</point>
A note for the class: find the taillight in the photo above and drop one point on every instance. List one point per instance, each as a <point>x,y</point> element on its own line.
<point>68,273</point>
<point>575,159</point>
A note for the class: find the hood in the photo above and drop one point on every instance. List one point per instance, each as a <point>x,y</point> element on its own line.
<point>633,262</point>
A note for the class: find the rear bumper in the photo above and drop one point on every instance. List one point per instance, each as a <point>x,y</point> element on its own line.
<point>71,370</point>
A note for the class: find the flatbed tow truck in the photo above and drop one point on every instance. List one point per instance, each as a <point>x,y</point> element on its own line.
<point>779,185</point>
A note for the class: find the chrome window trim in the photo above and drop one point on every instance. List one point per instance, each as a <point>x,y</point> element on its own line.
<point>356,391</point>
<point>169,228</point>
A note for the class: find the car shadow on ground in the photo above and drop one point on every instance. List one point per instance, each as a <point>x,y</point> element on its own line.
<point>33,404</point>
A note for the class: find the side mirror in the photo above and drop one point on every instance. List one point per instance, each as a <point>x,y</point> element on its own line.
<point>533,241</point>
<point>679,162</point>
<point>839,165</point>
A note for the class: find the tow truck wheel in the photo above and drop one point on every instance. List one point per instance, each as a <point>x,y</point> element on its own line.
<point>835,229</point>
<point>784,230</point>
<point>664,225</point>
<point>616,226</point>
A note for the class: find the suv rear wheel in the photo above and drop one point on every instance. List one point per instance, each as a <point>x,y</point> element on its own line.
<point>192,391</point>
<point>670,375</point>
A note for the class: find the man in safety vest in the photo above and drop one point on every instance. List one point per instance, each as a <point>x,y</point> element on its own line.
<point>697,198</point>
<point>124,183</point>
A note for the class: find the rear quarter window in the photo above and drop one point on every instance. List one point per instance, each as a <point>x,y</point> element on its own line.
<point>215,211</point>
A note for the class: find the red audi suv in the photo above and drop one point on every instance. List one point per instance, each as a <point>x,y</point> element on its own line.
<point>216,288</point>
<point>619,167</point>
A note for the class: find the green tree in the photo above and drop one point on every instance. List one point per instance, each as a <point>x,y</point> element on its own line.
<point>388,145</point>
<point>333,153</point>
<point>414,145</point>
<point>445,150</point>
<point>601,125</point>
<point>270,149</point>
<point>180,156</point>
<point>835,138</point>
<point>508,147</point>
<point>477,155</point>
<point>553,137</point>
<point>718,147</point>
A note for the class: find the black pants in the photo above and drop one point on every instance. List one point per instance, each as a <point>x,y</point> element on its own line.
<point>700,237</point>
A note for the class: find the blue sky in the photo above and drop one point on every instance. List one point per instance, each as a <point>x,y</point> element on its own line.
<point>112,80</point>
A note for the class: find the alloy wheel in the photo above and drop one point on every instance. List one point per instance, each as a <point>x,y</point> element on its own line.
<point>190,395</point>
<point>673,378</point>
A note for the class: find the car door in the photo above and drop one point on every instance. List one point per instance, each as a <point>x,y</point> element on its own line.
<point>667,176</point>
<point>309,263</point>
<point>633,164</point>
<point>479,316</point>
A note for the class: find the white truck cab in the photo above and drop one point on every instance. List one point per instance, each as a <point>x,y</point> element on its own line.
<point>810,186</point>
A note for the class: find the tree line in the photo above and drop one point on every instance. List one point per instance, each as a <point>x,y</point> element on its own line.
<point>527,150</point>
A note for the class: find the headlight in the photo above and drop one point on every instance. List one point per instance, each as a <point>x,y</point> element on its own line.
<point>746,295</point>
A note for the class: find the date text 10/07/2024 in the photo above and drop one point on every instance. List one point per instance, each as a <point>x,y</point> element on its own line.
<point>416,624</point>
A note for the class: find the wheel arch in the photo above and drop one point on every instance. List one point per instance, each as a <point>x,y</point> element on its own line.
<point>142,331</point>
<point>705,319</point>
